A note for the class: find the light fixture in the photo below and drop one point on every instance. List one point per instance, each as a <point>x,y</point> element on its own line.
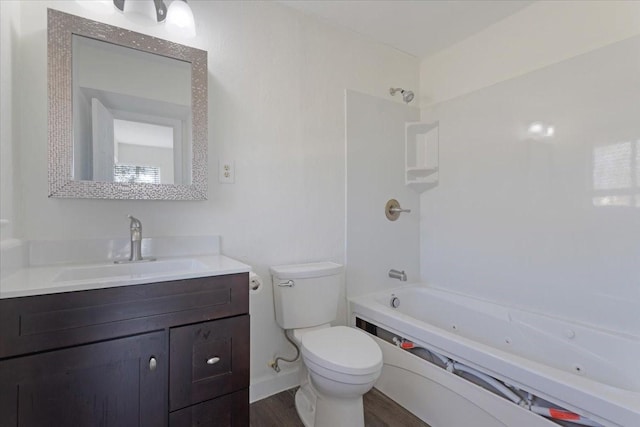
<point>178,18</point>
<point>154,9</point>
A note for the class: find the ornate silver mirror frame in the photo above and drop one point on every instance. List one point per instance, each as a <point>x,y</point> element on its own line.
<point>61,28</point>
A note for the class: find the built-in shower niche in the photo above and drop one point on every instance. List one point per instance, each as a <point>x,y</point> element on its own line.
<point>421,155</point>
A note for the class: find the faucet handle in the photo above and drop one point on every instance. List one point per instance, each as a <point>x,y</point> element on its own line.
<point>393,210</point>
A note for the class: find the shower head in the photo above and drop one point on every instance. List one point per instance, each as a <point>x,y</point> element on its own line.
<point>407,95</point>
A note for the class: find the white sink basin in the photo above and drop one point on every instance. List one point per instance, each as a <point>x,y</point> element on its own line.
<point>130,270</point>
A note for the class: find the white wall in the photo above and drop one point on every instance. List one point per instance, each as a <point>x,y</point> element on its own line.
<point>375,173</point>
<point>9,180</point>
<point>276,107</point>
<point>542,34</point>
<point>535,223</point>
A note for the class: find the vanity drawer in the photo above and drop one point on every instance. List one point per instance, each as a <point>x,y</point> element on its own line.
<point>44,322</point>
<point>208,360</point>
<point>231,410</point>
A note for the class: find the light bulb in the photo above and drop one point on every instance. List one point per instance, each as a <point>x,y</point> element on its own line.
<point>180,19</point>
<point>144,8</point>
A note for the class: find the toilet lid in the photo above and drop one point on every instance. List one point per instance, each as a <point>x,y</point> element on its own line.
<point>342,349</point>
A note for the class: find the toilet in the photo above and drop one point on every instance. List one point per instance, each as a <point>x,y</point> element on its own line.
<point>339,364</point>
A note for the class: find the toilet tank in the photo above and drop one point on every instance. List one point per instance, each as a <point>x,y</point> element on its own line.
<point>306,295</point>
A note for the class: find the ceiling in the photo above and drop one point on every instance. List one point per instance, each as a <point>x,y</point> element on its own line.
<point>417,27</point>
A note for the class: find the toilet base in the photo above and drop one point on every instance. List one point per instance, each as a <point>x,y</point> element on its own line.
<point>316,410</point>
<point>306,406</point>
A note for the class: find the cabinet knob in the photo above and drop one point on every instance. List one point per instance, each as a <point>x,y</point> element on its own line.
<point>153,364</point>
<point>213,360</point>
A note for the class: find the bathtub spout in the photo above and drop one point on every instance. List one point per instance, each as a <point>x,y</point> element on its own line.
<point>396,274</point>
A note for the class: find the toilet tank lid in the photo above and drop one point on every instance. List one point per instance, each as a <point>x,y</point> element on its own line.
<point>304,271</point>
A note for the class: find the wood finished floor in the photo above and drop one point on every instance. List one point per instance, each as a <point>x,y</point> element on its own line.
<point>379,411</point>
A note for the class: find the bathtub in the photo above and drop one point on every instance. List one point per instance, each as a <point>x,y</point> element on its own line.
<point>589,371</point>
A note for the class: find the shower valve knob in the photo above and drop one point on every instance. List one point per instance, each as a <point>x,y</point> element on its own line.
<point>393,210</point>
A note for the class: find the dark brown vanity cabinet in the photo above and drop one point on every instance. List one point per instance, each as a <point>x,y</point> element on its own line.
<point>108,383</point>
<point>171,353</point>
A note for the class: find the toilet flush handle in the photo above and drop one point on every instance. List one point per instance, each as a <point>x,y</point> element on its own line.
<point>287,284</point>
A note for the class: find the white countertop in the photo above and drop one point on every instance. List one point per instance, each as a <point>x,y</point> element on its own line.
<point>46,279</point>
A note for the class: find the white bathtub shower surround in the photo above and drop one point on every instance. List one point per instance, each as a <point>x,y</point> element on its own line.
<point>375,148</point>
<point>556,359</point>
<point>549,224</point>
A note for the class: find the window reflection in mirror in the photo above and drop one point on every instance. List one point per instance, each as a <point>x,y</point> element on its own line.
<point>143,153</point>
<point>131,115</point>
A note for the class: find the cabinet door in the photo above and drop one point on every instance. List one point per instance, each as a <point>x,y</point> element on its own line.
<point>208,360</point>
<point>121,382</point>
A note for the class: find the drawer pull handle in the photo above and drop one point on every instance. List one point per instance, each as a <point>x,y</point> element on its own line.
<point>153,364</point>
<point>213,360</point>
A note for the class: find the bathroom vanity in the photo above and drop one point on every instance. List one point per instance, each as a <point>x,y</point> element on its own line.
<point>166,353</point>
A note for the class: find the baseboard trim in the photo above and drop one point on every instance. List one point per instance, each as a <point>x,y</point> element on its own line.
<point>271,384</point>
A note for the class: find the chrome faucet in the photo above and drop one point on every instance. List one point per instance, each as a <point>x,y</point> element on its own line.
<point>136,242</point>
<point>396,274</point>
<point>136,239</point>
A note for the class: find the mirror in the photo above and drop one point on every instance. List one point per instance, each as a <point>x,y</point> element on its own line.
<point>131,114</point>
<point>127,113</point>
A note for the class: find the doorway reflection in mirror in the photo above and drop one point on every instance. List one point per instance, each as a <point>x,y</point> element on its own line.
<point>126,114</point>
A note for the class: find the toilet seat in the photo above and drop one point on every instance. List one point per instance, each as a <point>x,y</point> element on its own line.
<point>343,350</point>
